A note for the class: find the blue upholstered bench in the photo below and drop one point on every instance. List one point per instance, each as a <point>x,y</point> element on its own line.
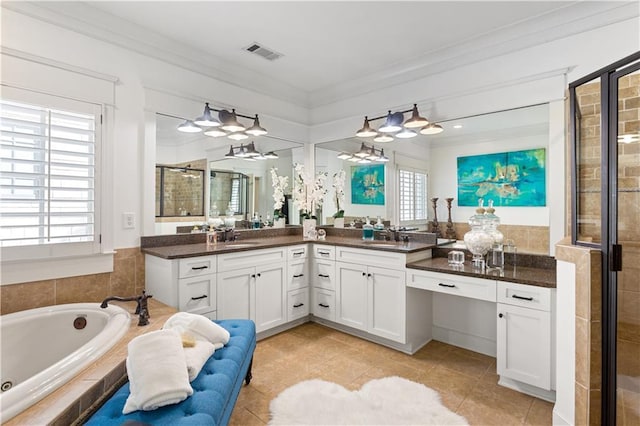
<point>215,390</point>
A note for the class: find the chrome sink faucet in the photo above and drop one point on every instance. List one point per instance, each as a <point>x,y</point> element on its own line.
<point>142,310</point>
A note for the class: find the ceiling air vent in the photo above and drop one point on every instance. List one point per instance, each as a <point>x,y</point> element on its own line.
<point>263,51</point>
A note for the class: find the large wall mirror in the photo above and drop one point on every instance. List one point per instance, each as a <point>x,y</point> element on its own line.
<point>437,155</point>
<point>238,186</point>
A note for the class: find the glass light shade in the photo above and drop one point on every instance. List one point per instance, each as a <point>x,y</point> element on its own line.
<point>238,136</point>
<point>393,123</point>
<point>251,150</point>
<point>230,154</point>
<point>432,129</point>
<point>189,127</point>
<point>364,151</point>
<point>256,130</point>
<point>242,152</point>
<point>382,158</point>
<point>415,121</point>
<point>382,138</point>
<point>364,161</point>
<point>230,121</point>
<point>344,156</point>
<point>270,154</point>
<point>215,132</point>
<point>366,130</point>
<point>373,155</point>
<point>207,119</point>
<point>406,134</point>
<point>354,159</point>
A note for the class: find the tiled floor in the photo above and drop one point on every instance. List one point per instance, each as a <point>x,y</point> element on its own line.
<point>466,380</point>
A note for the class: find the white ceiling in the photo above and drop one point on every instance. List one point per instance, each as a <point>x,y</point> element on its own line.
<point>331,49</point>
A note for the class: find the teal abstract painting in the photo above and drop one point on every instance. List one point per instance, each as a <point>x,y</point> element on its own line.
<point>367,184</point>
<point>510,179</point>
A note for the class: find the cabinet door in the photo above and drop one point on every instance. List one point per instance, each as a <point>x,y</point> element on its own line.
<point>236,294</point>
<point>524,345</point>
<point>271,296</point>
<point>386,301</point>
<point>351,295</point>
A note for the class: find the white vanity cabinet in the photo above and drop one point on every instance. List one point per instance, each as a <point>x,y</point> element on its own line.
<point>525,343</point>
<point>297,281</point>
<point>257,292</point>
<point>186,284</point>
<point>371,298</point>
<point>323,281</point>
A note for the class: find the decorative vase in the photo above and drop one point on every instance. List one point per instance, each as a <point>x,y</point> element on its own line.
<point>309,229</point>
<point>338,222</point>
<point>450,233</point>
<point>279,222</point>
<point>478,241</point>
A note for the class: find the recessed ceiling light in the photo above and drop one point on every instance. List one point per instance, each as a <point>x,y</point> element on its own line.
<point>457,126</point>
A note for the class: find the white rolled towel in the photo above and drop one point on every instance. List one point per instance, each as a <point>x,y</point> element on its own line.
<point>199,326</point>
<point>157,370</point>
<point>196,356</point>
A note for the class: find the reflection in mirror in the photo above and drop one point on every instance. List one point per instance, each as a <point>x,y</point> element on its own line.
<point>228,193</point>
<point>211,154</point>
<point>436,155</point>
<point>179,191</point>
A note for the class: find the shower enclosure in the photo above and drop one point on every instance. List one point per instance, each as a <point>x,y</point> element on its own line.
<point>605,214</point>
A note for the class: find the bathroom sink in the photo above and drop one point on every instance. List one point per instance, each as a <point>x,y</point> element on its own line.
<point>241,245</point>
<point>381,244</point>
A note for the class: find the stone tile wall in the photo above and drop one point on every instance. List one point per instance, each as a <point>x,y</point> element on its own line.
<point>127,279</point>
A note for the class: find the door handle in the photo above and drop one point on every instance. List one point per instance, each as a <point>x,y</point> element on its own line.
<point>515,296</point>
<point>446,285</point>
<point>204,296</point>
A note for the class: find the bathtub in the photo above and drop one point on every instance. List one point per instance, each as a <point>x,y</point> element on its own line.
<point>44,348</point>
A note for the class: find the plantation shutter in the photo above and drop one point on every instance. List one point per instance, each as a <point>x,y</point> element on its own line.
<point>413,195</point>
<point>47,173</point>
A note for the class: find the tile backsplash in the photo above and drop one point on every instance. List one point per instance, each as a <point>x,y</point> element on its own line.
<point>127,279</point>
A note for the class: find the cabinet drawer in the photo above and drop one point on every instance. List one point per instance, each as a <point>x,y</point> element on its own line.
<point>324,274</point>
<point>195,266</point>
<point>475,288</point>
<point>298,304</point>
<point>385,259</point>
<point>197,294</point>
<point>324,304</point>
<point>297,252</point>
<point>297,275</point>
<point>321,251</point>
<point>231,261</point>
<point>528,296</point>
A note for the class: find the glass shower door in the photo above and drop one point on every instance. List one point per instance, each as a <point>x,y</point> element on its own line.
<point>627,222</point>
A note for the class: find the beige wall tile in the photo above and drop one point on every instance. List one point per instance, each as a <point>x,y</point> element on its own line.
<point>88,288</point>
<point>595,397</point>
<point>123,278</point>
<point>19,297</point>
<point>595,373</point>
<point>581,415</point>
<point>582,356</point>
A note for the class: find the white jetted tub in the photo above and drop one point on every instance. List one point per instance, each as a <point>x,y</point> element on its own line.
<point>44,348</point>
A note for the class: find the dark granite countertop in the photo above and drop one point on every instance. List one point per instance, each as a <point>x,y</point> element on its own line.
<point>180,251</point>
<point>531,275</point>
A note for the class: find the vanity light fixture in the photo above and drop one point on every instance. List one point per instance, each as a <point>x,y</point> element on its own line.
<point>226,124</point>
<point>249,152</point>
<point>365,155</point>
<point>393,126</point>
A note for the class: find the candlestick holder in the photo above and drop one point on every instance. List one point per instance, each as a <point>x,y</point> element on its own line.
<point>450,233</point>
<point>434,227</point>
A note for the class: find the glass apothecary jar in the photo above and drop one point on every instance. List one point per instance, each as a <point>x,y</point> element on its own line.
<point>478,240</point>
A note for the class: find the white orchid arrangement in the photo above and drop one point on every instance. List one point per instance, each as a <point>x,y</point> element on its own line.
<point>339,179</point>
<point>308,193</point>
<point>279,184</point>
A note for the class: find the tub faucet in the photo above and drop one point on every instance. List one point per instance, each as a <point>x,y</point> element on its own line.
<point>142,310</point>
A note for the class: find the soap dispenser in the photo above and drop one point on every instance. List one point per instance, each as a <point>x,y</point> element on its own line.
<point>379,225</point>
<point>256,221</point>
<point>367,230</point>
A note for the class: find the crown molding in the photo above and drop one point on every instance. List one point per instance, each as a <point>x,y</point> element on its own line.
<point>84,19</point>
<point>574,19</point>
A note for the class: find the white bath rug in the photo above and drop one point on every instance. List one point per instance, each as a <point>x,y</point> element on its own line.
<point>387,401</point>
